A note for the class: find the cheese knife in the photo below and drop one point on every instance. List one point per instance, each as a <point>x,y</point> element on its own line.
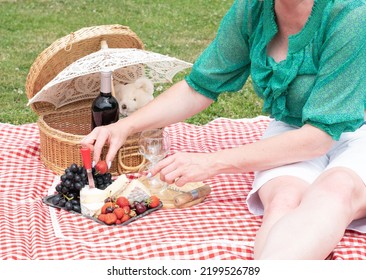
<point>86,156</point>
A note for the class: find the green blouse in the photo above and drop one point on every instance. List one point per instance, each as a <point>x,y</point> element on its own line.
<point>322,81</point>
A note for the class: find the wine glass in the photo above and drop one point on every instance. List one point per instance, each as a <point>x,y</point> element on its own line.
<point>154,145</point>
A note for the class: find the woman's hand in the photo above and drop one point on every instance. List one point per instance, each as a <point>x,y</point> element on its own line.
<point>182,168</point>
<point>112,135</point>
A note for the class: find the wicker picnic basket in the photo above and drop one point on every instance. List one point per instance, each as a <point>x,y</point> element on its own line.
<point>62,129</point>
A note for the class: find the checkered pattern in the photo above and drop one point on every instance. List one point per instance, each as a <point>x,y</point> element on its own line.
<point>219,228</point>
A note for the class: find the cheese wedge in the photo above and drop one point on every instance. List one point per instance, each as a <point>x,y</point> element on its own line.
<point>91,209</point>
<point>135,191</point>
<point>118,186</point>
<point>92,199</point>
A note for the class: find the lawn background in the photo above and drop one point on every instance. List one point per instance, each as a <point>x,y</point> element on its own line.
<point>177,28</point>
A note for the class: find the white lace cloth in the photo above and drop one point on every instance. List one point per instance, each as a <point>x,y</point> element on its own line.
<point>81,79</point>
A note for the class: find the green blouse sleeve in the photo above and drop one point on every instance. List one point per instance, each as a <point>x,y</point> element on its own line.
<point>337,101</point>
<point>224,64</point>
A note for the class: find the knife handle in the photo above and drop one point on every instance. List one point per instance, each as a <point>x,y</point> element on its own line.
<point>86,157</point>
<point>189,196</point>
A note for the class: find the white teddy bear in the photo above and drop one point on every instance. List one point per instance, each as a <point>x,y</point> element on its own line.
<point>133,96</point>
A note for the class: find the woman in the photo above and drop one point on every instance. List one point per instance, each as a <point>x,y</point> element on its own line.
<point>307,61</point>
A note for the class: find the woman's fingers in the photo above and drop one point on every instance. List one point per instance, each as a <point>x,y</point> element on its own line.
<point>166,164</point>
<point>89,140</point>
<point>112,152</point>
<point>96,140</point>
<point>182,168</point>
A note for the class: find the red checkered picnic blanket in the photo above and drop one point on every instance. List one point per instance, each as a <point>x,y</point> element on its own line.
<point>219,228</point>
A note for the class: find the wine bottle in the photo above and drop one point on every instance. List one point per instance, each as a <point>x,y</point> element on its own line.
<point>105,109</point>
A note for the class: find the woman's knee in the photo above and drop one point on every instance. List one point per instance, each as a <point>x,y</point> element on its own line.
<point>345,187</point>
<point>340,183</point>
<point>282,194</point>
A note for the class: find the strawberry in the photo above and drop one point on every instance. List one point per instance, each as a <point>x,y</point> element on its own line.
<point>110,218</point>
<point>101,167</point>
<point>125,218</point>
<point>119,212</point>
<point>101,217</point>
<point>127,209</point>
<point>118,222</point>
<point>122,201</point>
<point>153,201</point>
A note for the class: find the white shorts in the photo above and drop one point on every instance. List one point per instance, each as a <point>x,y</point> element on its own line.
<point>349,151</point>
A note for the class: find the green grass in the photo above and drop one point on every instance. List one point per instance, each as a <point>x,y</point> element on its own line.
<point>177,28</point>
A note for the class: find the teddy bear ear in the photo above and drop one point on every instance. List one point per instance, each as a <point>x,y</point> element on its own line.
<point>119,89</point>
<point>145,84</point>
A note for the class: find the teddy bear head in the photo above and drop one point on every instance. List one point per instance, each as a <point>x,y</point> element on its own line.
<point>133,96</point>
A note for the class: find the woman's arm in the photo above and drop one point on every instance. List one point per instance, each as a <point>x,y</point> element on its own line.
<point>176,104</point>
<point>297,145</point>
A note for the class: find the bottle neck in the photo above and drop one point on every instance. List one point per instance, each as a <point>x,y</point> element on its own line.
<point>105,83</point>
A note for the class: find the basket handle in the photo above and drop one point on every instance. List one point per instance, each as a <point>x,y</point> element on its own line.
<point>103,44</point>
<point>122,156</point>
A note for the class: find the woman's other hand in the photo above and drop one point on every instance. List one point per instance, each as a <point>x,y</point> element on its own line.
<point>182,168</point>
